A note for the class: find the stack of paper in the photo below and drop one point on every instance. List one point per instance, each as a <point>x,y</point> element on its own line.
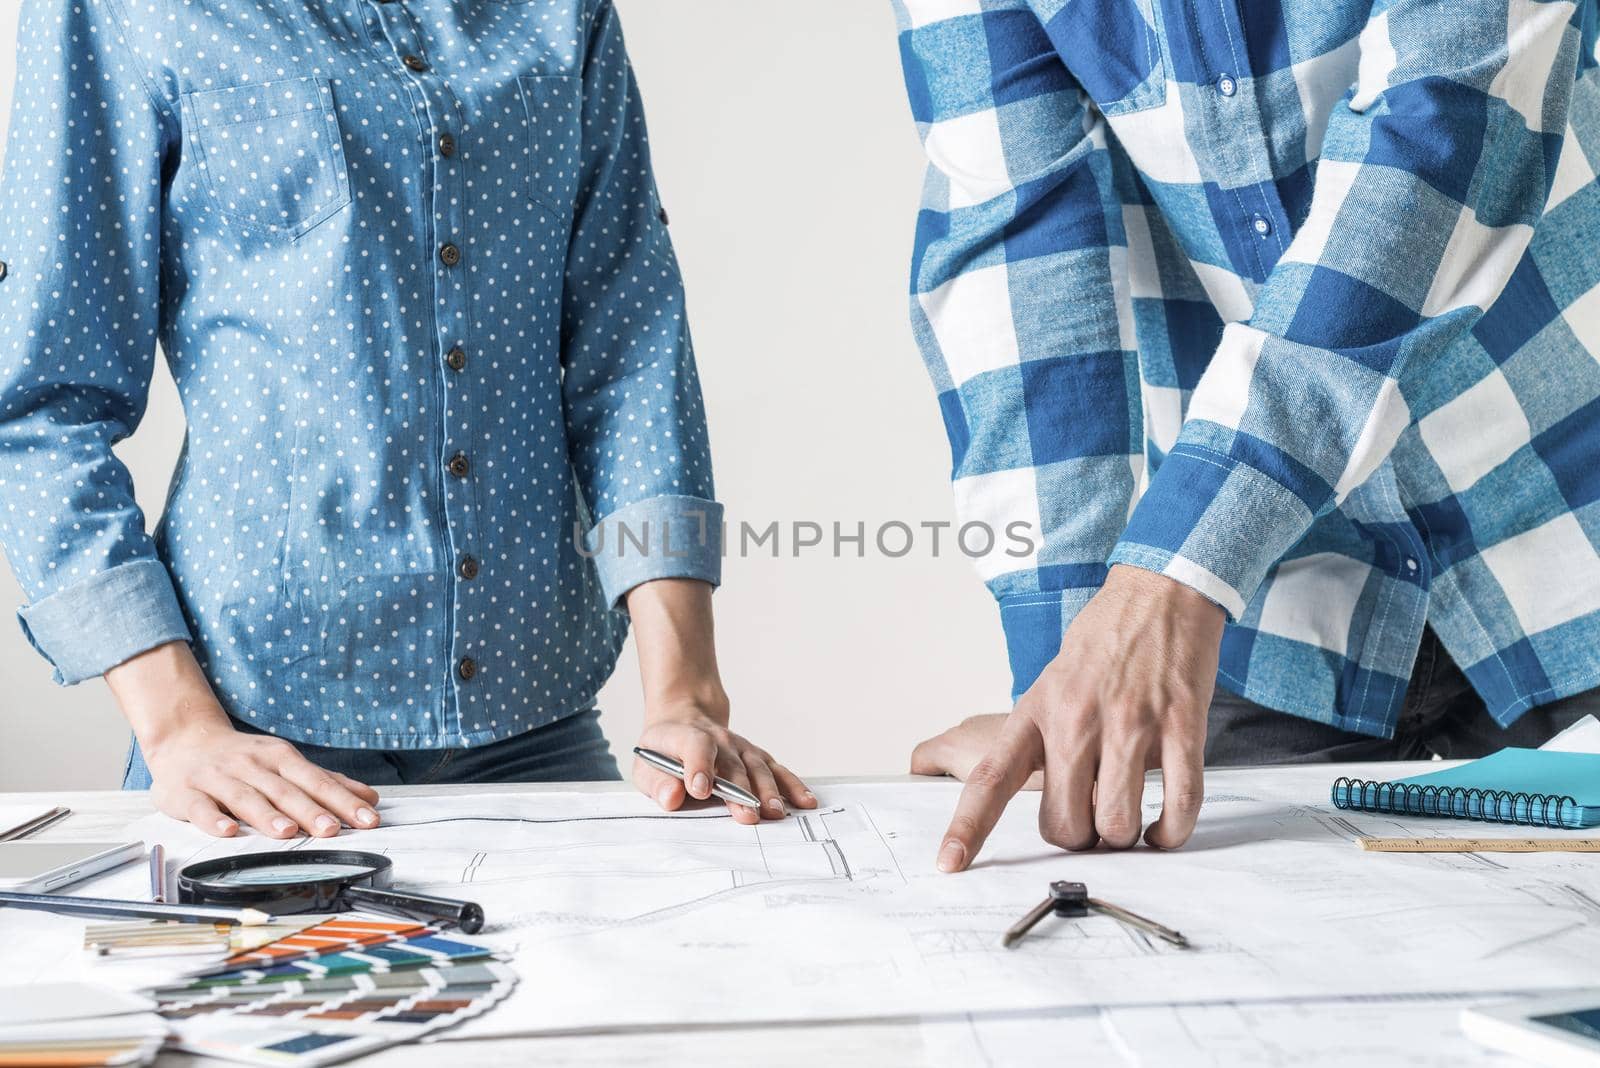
<point>79,1024</point>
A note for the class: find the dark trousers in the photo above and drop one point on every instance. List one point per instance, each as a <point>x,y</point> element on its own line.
<point>1442,716</point>
<point>571,749</point>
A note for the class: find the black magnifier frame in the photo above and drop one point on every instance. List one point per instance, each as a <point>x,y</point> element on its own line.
<point>218,882</point>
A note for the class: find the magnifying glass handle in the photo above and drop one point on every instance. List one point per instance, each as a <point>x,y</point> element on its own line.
<point>466,915</point>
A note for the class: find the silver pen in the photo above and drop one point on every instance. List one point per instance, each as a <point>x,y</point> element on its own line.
<point>719,787</point>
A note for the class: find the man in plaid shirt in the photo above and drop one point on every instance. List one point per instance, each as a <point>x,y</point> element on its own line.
<point>1279,322</point>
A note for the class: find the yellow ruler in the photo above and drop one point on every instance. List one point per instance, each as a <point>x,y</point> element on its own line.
<point>1480,845</point>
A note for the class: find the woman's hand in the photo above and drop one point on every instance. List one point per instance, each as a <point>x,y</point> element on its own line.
<point>216,777</point>
<point>686,708</point>
<point>698,737</point>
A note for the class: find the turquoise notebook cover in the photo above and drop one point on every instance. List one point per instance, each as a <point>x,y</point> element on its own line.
<point>1528,786</point>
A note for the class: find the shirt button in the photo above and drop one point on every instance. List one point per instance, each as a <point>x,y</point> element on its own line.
<point>459,465</point>
<point>661,213</point>
<point>1261,224</point>
<point>467,668</point>
<point>1226,85</point>
<point>4,270</point>
<point>447,145</point>
<point>416,63</point>
<point>449,255</point>
<point>469,567</point>
<point>456,358</point>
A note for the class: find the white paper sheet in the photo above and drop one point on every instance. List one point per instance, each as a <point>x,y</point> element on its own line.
<point>1397,1032</point>
<point>48,1002</point>
<point>1581,737</point>
<point>619,915</point>
<point>1059,1038</point>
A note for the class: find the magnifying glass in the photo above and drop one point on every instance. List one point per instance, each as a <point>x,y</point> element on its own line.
<point>316,880</point>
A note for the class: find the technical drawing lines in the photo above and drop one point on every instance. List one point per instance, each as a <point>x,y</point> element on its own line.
<point>1564,895</point>
<point>621,817</point>
<point>809,824</point>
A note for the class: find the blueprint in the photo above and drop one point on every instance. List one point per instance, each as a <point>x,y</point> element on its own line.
<point>616,914</point>
<point>1398,1032</point>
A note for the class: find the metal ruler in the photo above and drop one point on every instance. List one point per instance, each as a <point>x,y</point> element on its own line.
<point>1480,845</point>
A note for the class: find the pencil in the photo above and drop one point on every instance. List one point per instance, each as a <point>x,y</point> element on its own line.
<point>37,824</point>
<point>99,906</point>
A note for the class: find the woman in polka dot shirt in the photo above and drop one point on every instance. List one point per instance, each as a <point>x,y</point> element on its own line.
<point>407,264</point>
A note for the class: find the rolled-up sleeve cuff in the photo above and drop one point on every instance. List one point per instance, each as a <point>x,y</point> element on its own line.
<point>94,625</point>
<point>1034,624</point>
<point>662,537</point>
<point>1215,524</point>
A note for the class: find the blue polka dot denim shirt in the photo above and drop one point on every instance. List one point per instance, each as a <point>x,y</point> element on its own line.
<point>407,264</point>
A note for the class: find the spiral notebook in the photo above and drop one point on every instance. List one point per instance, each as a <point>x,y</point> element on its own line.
<point>1533,787</point>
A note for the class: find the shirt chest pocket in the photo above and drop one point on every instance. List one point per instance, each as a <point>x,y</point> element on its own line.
<point>270,156</point>
<point>1113,48</point>
<point>553,105</point>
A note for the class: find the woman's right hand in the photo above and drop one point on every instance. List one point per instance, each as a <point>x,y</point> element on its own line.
<point>204,771</point>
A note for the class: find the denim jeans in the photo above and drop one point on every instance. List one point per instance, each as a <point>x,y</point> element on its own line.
<point>571,749</point>
<point>1442,716</point>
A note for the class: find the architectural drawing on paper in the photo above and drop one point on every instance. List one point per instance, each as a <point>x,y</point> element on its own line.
<point>618,915</point>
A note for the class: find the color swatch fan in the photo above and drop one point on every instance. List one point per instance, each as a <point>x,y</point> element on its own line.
<point>338,989</point>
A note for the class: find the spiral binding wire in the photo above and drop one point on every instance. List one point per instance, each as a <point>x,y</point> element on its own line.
<point>1491,806</point>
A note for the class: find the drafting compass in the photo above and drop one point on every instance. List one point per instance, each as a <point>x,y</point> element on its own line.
<point>1072,899</point>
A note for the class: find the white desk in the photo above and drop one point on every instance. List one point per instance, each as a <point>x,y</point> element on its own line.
<point>1411,1032</point>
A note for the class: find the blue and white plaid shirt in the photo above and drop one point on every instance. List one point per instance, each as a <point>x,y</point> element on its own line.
<point>1294,301</point>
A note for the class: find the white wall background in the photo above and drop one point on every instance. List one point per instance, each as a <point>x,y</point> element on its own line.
<point>788,162</point>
